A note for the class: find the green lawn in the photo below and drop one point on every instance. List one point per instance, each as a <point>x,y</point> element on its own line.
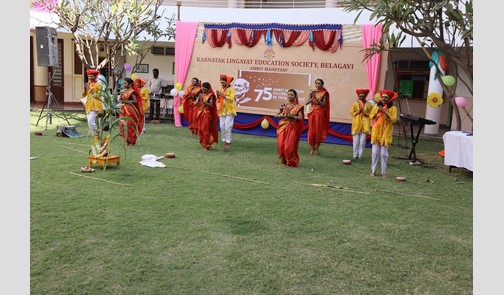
<point>240,223</point>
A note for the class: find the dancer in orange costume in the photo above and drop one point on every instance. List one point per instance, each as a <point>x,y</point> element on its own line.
<point>131,112</point>
<point>289,130</point>
<point>318,116</point>
<point>206,117</point>
<point>190,96</point>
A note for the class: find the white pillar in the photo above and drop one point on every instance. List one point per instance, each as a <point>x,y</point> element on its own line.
<point>431,113</point>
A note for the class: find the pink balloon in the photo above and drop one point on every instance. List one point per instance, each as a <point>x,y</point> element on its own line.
<point>127,67</point>
<point>461,101</point>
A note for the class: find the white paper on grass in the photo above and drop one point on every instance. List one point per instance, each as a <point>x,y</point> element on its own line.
<point>150,160</point>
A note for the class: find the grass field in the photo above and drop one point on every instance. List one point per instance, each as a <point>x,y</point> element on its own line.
<point>240,223</point>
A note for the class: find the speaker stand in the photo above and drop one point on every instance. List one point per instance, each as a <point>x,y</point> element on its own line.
<point>402,126</point>
<point>49,111</point>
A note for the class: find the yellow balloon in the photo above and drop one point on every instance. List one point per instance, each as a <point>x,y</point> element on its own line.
<point>134,77</point>
<point>377,97</point>
<point>181,109</point>
<point>265,124</point>
<point>178,86</point>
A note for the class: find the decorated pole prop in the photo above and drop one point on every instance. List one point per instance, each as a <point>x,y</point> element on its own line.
<point>435,93</point>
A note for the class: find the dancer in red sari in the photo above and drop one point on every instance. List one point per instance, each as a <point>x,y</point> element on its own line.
<point>206,116</point>
<point>131,112</point>
<point>318,116</point>
<point>289,129</point>
<point>188,100</point>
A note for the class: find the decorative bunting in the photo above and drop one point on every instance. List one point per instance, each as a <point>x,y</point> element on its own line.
<point>326,37</point>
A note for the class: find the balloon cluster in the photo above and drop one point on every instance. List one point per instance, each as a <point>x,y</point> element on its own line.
<point>177,90</point>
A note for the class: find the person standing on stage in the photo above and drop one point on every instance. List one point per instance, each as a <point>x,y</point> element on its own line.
<point>361,124</point>
<point>384,115</point>
<point>318,116</point>
<point>226,108</point>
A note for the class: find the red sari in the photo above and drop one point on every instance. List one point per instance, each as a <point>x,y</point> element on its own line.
<point>131,110</point>
<point>189,97</point>
<point>207,120</point>
<point>318,119</point>
<point>288,135</point>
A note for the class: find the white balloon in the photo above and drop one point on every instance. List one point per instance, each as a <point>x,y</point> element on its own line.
<point>174,92</point>
<point>181,93</point>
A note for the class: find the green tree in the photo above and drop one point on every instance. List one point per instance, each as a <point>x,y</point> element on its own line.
<point>445,25</point>
<point>116,27</point>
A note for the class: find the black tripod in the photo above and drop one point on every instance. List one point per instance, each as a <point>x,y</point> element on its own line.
<point>402,128</point>
<point>49,111</point>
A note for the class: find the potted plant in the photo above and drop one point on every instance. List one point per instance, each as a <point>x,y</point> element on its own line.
<point>107,122</point>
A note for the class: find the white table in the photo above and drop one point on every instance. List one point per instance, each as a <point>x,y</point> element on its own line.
<point>458,149</point>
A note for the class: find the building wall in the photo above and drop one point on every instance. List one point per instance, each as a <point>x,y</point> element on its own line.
<point>73,83</point>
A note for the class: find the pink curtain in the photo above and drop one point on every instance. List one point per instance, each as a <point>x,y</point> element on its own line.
<point>185,36</point>
<point>372,34</point>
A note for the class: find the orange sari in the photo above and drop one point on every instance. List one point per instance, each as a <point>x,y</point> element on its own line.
<point>318,118</point>
<point>288,135</point>
<point>131,110</point>
<point>188,101</point>
<point>207,121</point>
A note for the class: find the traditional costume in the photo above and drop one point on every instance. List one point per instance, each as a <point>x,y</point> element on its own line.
<point>318,118</point>
<point>384,115</point>
<point>188,101</point>
<point>133,110</point>
<point>226,108</point>
<point>289,132</point>
<point>206,118</point>
<point>361,124</point>
<point>144,94</point>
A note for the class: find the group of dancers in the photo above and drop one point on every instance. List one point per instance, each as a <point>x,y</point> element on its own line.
<point>207,110</point>
<point>378,120</point>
